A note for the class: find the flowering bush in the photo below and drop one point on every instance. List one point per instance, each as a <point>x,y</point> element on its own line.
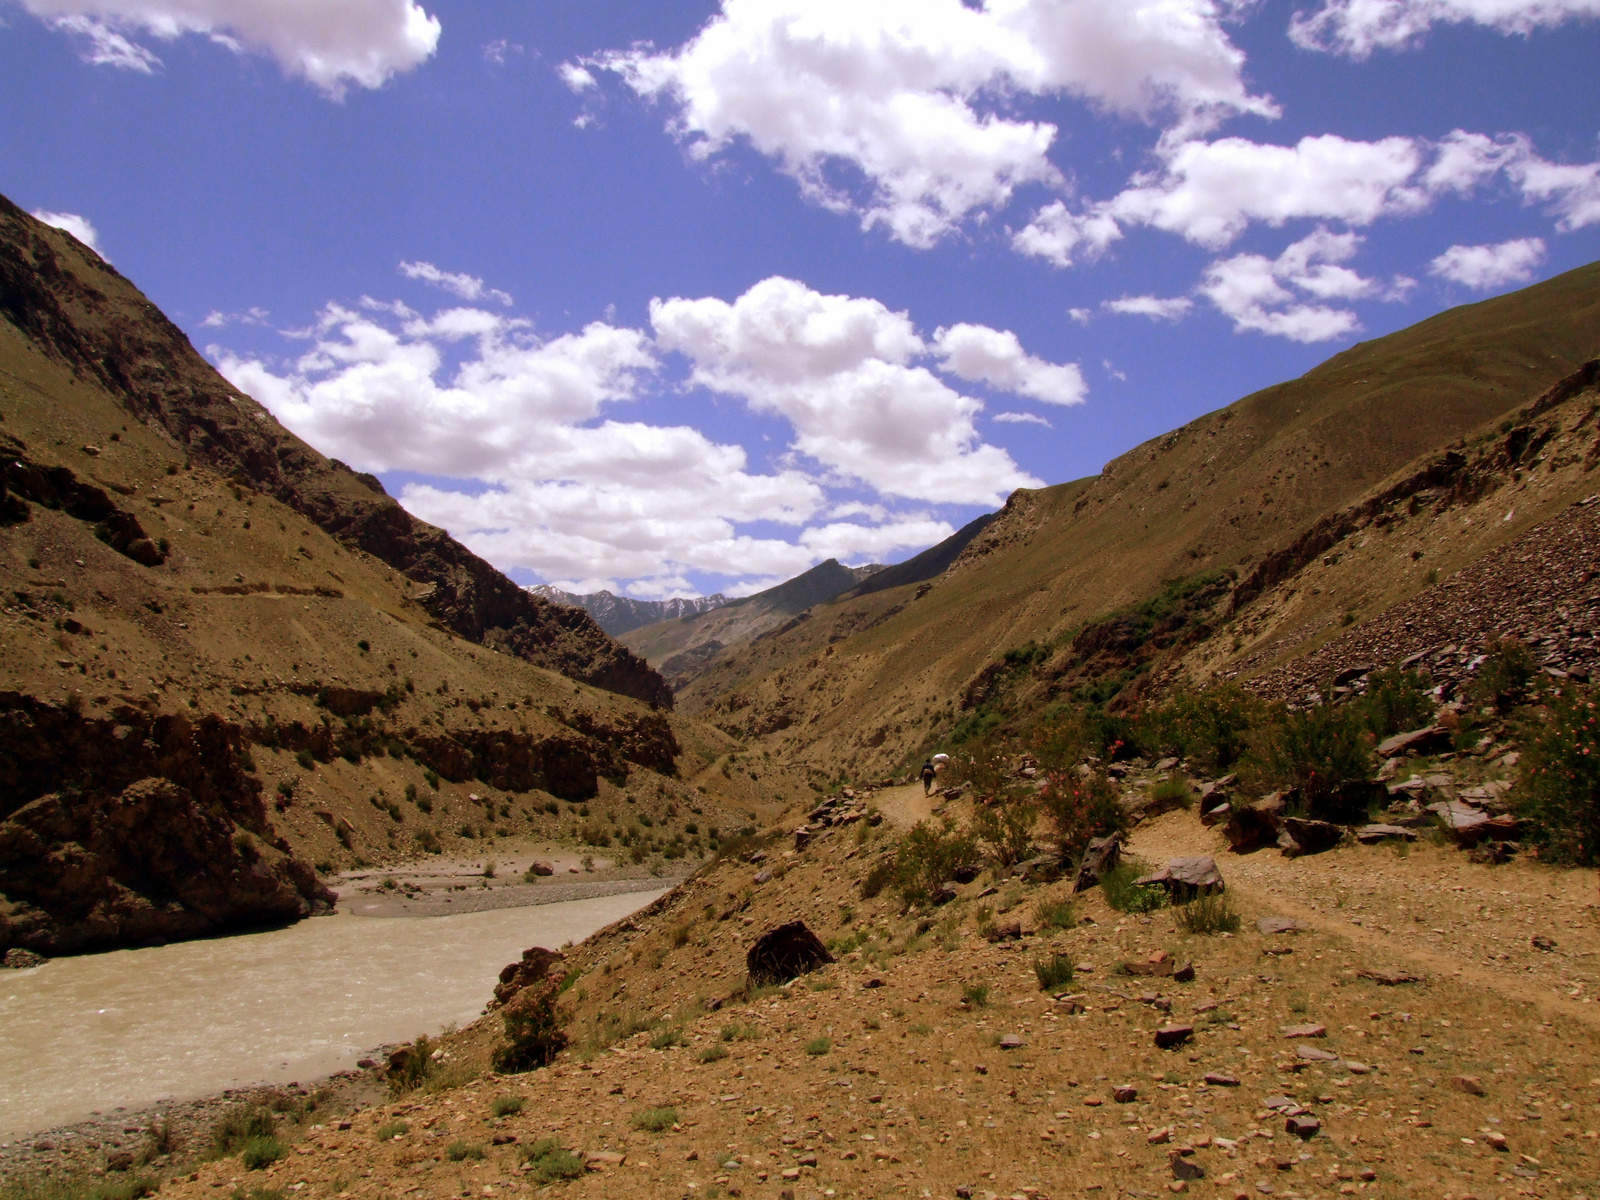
<point>1560,783</point>
<point>533,1029</point>
<point>1081,807</point>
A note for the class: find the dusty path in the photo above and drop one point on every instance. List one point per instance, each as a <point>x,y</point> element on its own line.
<point>1428,908</point>
<point>904,806</point>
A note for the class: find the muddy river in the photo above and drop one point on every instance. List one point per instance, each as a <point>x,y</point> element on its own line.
<point>127,1028</point>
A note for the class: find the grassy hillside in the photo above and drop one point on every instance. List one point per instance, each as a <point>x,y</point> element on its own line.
<point>867,681</point>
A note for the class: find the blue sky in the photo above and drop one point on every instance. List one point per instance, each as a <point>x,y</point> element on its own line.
<point>676,298</point>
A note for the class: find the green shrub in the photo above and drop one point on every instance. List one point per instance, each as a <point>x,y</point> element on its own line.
<point>1207,914</point>
<point>261,1152</point>
<point>1503,677</point>
<point>713,1053</point>
<point>655,1120</point>
<point>428,841</point>
<point>1316,750</point>
<point>1053,972</point>
<point>1559,788</point>
<point>394,1129</point>
<point>1008,827</point>
<point>550,1163</point>
<point>410,1066</point>
<point>1210,728</point>
<point>1081,808</point>
<point>742,1033</point>
<point>432,778</point>
<point>976,994</point>
<point>1174,789</point>
<point>666,1039</point>
<point>459,1151</point>
<point>927,857</point>
<point>533,1029</point>
<point>506,1106</point>
<point>52,1187</point>
<point>1124,895</point>
<point>1395,701</point>
<point>238,1125</point>
<point>818,1046</point>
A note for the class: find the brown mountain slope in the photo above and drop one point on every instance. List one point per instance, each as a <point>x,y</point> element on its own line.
<point>70,304</point>
<point>204,691</point>
<point>871,680</point>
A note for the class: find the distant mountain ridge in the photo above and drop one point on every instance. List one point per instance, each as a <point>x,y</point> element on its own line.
<point>620,614</point>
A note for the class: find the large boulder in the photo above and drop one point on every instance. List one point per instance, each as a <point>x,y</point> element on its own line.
<point>1298,836</point>
<point>1101,856</point>
<point>1431,740</point>
<point>784,953</point>
<point>1186,878</point>
<point>1252,826</point>
<point>531,968</point>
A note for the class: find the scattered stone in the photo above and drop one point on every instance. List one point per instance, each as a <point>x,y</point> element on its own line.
<point>1256,825</point>
<point>1006,931</point>
<point>1496,1140</point>
<point>1215,815</point>
<point>540,867</point>
<point>1304,1031</point>
<point>1183,973</point>
<point>1169,1036</point>
<point>1304,1128</point>
<point>1470,1084</point>
<point>1369,835</point>
<point>119,1160</point>
<point>762,876</point>
<point>597,1159</point>
<point>532,968</point>
<point>873,983</point>
<point>1183,1168</point>
<point>944,893</point>
<point>1012,1041</point>
<point>1101,856</point>
<point>1159,1137</point>
<point>1389,978</point>
<point>785,953</point>
<point>1540,942</point>
<point>1125,1094</point>
<point>1312,1054</point>
<point>1356,1068</point>
<point>1214,1079</point>
<point>1277,925</point>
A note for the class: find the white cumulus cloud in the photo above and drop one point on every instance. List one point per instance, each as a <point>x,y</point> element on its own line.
<point>1358,27</point>
<point>1157,308</point>
<point>331,44</point>
<point>1484,267</point>
<point>841,370</point>
<point>468,287</point>
<point>1270,296</point>
<point>79,227</point>
<point>979,354</point>
<point>895,109</point>
<point>1022,418</point>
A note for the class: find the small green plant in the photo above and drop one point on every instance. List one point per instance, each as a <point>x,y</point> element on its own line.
<point>1053,972</point>
<point>877,878</point>
<point>741,1033</point>
<point>239,1125</point>
<point>976,994</point>
<point>410,1066</point>
<point>1207,915</point>
<point>1080,809</point>
<point>506,1106</point>
<point>1125,895</point>
<point>549,1162</point>
<point>1504,676</point>
<point>1056,914</point>
<point>392,1130</point>
<point>432,778</point>
<point>428,841</point>
<point>666,1039</point>
<point>303,757</point>
<point>655,1120</point>
<point>713,1053</point>
<point>921,1029</point>
<point>260,1152</point>
<point>459,1151</point>
<point>928,856</point>
<point>818,1046</point>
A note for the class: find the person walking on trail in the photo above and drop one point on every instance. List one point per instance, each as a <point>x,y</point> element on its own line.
<point>928,776</point>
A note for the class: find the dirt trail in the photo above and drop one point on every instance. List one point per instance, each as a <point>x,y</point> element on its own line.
<point>905,806</point>
<point>1427,908</point>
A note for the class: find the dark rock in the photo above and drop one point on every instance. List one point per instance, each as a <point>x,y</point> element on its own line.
<point>541,868</point>
<point>1101,856</point>
<point>1253,826</point>
<point>1430,740</point>
<point>1540,942</point>
<point>119,1160</point>
<point>873,983</point>
<point>1011,1041</point>
<point>1369,835</point>
<point>366,1064</point>
<point>1184,1168</point>
<point>1304,1128</point>
<point>1216,815</point>
<point>802,837</point>
<point>1006,931</point>
<point>1276,925</point>
<point>784,953</point>
<point>1125,1094</point>
<point>944,893</point>
<point>966,873</point>
<point>1351,801</point>
<point>1186,878</point>
<point>1216,1080</point>
<point>1183,973</point>
<point>19,959</point>
<point>1299,836</point>
<point>1389,978</point>
<point>1169,1036</point>
<point>1470,1084</point>
<point>1305,1031</point>
<point>532,968</point>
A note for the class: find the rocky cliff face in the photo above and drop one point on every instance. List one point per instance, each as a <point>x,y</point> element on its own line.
<point>78,309</point>
<point>621,614</point>
<point>135,829</point>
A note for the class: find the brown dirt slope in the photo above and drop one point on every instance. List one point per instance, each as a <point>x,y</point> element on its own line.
<point>1227,492</point>
<point>74,307</point>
